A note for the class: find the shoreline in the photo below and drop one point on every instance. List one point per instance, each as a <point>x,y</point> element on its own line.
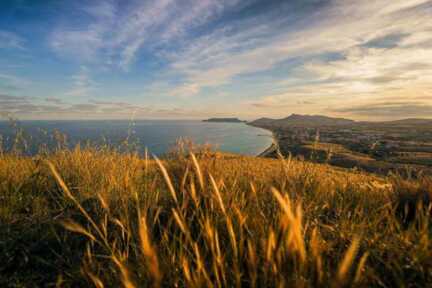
<point>274,146</point>
<point>270,150</point>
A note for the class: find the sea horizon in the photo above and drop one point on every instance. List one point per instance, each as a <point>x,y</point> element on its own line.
<point>158,136</point>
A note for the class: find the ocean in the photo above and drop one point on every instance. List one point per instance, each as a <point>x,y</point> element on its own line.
<point>158,136</point>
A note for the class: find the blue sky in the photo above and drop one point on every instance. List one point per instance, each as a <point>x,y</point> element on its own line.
<point>205,58</point>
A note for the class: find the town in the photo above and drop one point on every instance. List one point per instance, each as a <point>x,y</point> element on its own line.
<point>382,147</point>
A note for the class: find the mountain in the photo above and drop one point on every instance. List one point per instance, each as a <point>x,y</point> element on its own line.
<point>296,120</point>
<point>262,122</point>
<point>303,121</point>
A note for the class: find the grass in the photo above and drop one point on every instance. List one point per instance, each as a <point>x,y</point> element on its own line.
<point>96,217</point>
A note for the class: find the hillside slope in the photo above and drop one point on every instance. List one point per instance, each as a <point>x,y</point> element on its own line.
<point>87,217</point>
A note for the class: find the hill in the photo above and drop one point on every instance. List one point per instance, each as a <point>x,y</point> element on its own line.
<point>303,121</point>
<point>96,217</point>
<point>296,120</point>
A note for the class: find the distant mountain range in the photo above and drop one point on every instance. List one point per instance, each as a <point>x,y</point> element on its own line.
<point>296,120</point>
<point>302,120</point>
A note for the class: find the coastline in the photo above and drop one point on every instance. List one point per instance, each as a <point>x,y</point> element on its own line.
<point>274,146</point>
<point>270,150</point>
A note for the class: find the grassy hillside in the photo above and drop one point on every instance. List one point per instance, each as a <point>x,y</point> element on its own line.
<point>96,217</point>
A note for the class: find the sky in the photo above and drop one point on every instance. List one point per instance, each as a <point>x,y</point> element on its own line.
<point>193,59</point>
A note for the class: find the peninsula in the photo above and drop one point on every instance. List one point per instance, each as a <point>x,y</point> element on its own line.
<point>224,120</point>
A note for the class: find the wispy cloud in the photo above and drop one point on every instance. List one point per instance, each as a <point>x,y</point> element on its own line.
<point>273,57</point>
<point>384,52</point>
<point>13,99</point>
<point>25,107</point>
<point>54,100</point>
<point>82,83</point>
<point>29,108</point>
<point>15,104</point>
<point>84,42</point>
<point>186,90</point>
<point>11,82</point>
<point>389,110</point>
<point>116,33</point>
<point>81,44</point>
<point>10,40</point>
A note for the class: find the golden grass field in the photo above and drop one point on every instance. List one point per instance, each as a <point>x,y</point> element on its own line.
<point>95,217</point>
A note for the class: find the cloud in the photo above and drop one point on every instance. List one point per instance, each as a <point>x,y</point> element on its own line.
<point>305,102</point>
<point>11,82</point>
<point>82,83</point>
<point>218,58</point>
<point>5,98</point>
<point>271,56</point>
<point>392,110</point>
<point>397,6</point>
<point>113,103</point>
<point>81,44</point>
<point>84,42</point>
<point>382,45</point>
<point>27,107</point>
<point>117,32</point>
<point>118,107</point>
<point>375,66</point>
<point>186,90</point>
<point>83,107</point>
<point>386,41</point>
<point>54,100</point>
<point>24,105</point>
<point>388,57</point>
<point>9,40</point>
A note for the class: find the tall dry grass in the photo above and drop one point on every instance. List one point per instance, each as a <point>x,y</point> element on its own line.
<point>96,217</point>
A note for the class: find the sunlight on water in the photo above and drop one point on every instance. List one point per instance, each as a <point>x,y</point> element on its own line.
<point>157,135</point>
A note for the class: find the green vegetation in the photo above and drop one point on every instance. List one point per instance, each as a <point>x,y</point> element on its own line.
<point>96,217</point>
